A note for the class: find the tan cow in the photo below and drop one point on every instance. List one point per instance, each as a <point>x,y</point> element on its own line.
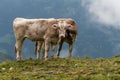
<point>71,33</point>
<point>46,30</point>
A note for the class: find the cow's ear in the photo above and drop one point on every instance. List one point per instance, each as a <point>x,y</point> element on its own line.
<point>55,26</point>
<point>72,22</point>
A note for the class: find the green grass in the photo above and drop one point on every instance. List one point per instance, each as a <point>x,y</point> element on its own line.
<point>62,69</point>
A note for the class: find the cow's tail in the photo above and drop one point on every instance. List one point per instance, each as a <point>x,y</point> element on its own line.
<point>15,49</point>
<point>35,49</point>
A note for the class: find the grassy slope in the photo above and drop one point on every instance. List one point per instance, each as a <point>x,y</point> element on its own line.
<point>62,69</point>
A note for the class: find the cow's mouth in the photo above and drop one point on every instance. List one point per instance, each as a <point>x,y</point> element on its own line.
<point>62,36</point>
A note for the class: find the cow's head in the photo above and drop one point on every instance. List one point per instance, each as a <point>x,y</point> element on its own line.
<point>63,26</point>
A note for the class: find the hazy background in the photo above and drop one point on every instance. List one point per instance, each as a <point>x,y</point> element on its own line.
<point>98,25</point>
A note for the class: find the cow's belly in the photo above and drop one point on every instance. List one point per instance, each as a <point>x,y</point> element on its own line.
<point>34,36</point>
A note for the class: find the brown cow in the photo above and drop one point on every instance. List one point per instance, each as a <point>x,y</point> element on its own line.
<point>71,33</point>
<point>46,30</point>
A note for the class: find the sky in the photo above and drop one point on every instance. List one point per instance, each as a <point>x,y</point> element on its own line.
<point>105,12</point>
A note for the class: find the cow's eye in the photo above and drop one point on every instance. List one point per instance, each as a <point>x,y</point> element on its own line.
<point>55,26</point>
<point>69,26</point>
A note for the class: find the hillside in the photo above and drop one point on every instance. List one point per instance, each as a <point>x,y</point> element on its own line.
<point>62,69</point>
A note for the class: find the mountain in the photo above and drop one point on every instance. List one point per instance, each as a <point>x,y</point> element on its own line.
<point>4,57</point>
<point>94,39</point>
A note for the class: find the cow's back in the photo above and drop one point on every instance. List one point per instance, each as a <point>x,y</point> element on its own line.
<point>34,29</point>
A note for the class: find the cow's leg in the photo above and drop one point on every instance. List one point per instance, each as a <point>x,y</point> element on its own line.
<point>46,50</point>
<point>59,48</point>
<point>70,50</point>
<point>43,50</point>
<point>18,47</point>
<point>38,49</point>
<point>52,50</point>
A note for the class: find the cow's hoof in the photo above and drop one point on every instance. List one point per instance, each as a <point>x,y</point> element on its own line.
<point>46,59</point>
<point>70,57</point>
<point>38,58</point>
<point>58,57</point>
<point>52,56</point>
<point>19,59</point>
<point>43,58</point>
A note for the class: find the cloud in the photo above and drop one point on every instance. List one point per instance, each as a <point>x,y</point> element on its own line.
<point>106,12</point>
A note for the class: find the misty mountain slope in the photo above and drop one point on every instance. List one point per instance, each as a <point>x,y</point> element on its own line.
<point>4,57</point>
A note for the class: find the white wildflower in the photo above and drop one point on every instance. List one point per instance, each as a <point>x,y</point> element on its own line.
<point>11,68</point>
<point>3,69</point>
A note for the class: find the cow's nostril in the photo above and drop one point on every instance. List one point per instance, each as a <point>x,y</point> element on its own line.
<point>62,36</point>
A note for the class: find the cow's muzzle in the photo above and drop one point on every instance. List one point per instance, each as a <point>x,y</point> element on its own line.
<point>62,36</point>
